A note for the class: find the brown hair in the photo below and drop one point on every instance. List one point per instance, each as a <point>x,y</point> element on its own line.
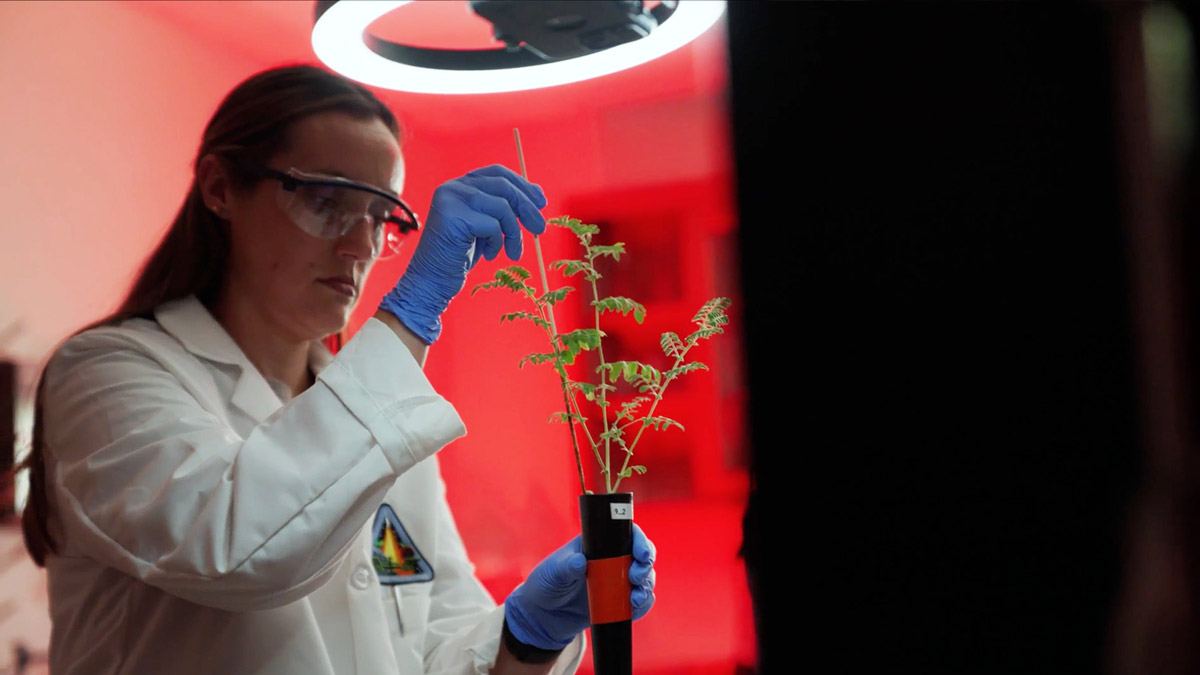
<point>252,123</point>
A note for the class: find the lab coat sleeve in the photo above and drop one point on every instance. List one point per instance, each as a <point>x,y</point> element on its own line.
<point>150,482</point>
<point>464,631</point>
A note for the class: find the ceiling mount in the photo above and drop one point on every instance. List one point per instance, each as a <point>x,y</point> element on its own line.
<point>547,43</point>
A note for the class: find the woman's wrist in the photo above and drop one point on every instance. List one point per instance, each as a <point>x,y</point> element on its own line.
<point>418,347</point>
<point>418,305</point>
<point>527,653</point>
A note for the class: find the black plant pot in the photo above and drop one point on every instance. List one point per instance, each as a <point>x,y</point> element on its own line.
<point>607,521</point>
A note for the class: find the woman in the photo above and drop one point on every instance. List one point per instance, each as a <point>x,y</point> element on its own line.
<point>213,491</point>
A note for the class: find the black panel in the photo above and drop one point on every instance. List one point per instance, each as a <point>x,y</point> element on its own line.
<point>938,330</point>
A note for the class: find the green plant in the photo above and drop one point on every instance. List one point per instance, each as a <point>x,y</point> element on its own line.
<point>650,382</point>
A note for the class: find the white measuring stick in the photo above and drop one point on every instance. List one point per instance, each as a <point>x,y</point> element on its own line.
<point>537,245</point>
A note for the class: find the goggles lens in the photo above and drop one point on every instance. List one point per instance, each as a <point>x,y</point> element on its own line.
<point>330,211</point>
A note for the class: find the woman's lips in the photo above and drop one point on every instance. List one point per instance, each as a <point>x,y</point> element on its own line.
<point>339,286</point>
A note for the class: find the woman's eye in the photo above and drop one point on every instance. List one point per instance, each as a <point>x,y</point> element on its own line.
<point>320,205</point>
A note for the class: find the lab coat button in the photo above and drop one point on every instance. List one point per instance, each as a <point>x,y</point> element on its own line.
<point>361,578</point>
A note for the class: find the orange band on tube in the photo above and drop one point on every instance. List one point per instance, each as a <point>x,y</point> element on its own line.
<point>608,589</point>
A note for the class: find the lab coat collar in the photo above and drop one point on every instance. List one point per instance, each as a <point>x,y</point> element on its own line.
<point>190,322</point>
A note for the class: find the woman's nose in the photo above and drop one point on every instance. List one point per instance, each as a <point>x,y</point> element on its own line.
<point>360,239</point>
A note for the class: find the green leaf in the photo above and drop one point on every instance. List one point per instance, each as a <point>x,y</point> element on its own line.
<point>622,305</point>
<point>613,251</point>
<point>614,433</point>
<point>555,296</point>
<point>685,369</point>
<point>584,338</point>
<point>630,407</point>
<point>484,287</point>
<point>628,471</point>
<point>649,374</point>
<point>631,371</point>
<point>573,267</point>
<point>659,422</point>
<point>672,346</point>
<point>589,389</point>
<point>536,359</point>
<point>702,334</point>
<point>526,315</point>
<point>709,319</point>
<point>507,278</point>
<point>712,314</point>
<point>579,340</point>
<point>512,277</point>
<point>516,271</point>
<point>562,417</point>
<point>575,225</point>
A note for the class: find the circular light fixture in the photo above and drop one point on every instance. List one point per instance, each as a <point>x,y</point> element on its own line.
<point>558,45</point>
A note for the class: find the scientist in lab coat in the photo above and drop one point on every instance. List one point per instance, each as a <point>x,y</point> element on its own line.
<point>214,491</point>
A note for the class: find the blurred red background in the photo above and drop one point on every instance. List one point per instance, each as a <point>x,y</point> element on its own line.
<point>103,107</point>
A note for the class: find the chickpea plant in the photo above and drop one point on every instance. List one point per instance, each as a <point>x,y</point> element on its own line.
<point>650,382</point>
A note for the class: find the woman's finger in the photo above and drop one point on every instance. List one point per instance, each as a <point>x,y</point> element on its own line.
<point>457,202</point>
<point>499,209</point>
<point>638,572</point>
<point>517,197</point>
<point>531,190</point>
<point>643,549</point>
<point>643,577</point>
<point>642,602</point>
<point>486,231</point>
<point>488,220</point>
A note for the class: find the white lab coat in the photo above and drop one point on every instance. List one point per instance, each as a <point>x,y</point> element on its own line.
<point>208,527</point>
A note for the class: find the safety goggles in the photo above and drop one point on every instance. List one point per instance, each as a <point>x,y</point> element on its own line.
<point>330,206</point>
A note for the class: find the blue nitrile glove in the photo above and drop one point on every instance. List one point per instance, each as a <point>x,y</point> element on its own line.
<point>470,218</point>
<point>551,607</point>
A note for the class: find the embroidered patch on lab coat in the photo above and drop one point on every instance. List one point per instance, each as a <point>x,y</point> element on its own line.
<point>395,556</point>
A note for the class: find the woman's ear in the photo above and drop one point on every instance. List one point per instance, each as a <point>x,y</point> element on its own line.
<point>213,185</point>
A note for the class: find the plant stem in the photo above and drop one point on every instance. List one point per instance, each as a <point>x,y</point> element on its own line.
<point>607,464</point>
<point>574,440</point>
<point>562,377</point>
<point>572,400</point>
<point>587,432</point>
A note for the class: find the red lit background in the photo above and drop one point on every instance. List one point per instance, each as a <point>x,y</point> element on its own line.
<point>102,109</point>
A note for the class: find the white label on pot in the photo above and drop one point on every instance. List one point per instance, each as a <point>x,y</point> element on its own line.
<point>622,511</point>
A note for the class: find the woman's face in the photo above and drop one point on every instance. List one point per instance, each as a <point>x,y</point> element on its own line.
<point>277,266</point>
